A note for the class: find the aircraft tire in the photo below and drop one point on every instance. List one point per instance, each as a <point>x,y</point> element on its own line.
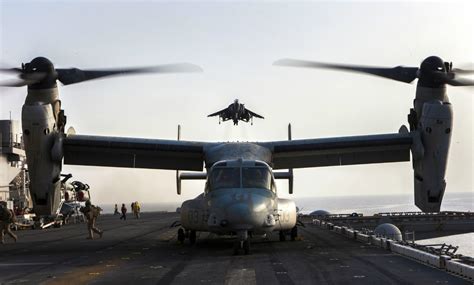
<point>236,247</point>
<point>294,233</point>
<point>246,246</point>
<point>282,236</point>
<point>181,235</point>
<point>192,237</point>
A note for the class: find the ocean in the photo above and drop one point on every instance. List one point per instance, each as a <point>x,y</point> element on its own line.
<point>368,205</point>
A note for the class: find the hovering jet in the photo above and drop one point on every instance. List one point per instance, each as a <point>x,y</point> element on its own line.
<point>236,112</point>
<point>240,196</point>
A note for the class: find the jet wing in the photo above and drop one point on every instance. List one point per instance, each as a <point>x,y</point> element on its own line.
<point>217,113</point>
<point>133,152</point>
<point>340,150</point>
<point>254,114</point>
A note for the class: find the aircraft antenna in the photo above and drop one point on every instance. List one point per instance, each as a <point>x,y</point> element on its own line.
<point>289,131</point>
<point>178,180</point>
<point>290,171</point>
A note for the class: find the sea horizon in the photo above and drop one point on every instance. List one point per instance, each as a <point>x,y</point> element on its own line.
<point>365,204</point>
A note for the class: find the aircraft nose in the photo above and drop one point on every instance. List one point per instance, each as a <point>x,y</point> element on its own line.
<point>248,213</point>
<point>238,212</point>
<point>242,216</point>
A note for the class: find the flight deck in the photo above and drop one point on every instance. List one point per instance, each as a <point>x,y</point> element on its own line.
<point>146,251</point>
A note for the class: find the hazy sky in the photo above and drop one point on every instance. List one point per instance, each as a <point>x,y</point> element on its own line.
<point>236,44</point>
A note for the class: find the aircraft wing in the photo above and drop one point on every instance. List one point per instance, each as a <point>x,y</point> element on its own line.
<point>217,113</point>
<point>254,114</point>
<point>133,152</point>
<point>340,150</point>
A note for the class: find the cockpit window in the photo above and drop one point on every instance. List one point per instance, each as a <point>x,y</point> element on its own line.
<point>225,178</point>
<point>256,178</point>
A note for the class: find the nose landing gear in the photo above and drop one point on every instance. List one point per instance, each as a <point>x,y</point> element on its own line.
<point>242,243</point>
<point>293,234</point>
<point>182,235</point>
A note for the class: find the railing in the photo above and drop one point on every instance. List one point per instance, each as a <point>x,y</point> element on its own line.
<point>416,214</point>
<point>396,215</point>
<point>442,256</point>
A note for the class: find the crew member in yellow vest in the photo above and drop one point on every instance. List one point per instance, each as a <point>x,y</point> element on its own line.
<point>136,209</point>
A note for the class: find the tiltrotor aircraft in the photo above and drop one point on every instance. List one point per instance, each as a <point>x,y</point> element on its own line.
<point>240,196</point>
<point>236,112</point>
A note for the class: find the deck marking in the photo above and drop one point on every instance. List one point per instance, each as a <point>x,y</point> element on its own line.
<point>243,276</point>
<point>25,264</point>
<point>171,275</point>
<point>281,273</point>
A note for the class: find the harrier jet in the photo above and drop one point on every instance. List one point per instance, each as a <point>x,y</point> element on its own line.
<point>236,112</point>
<point>240,196</point>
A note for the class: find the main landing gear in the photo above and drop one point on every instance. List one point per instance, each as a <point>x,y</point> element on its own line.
<point>182,235</point>
<point>192,237</point>
<point>293,233</point>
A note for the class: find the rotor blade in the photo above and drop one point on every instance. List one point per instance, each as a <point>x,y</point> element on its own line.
<point>399,73</point>
<point>75,75</point>
<point>450,78</point>
<point>33,77</point>
<point>14,83</point>
<point>462,71</point>
<point>15,70</point>
<point>460,82</point>
<point>25,79</point>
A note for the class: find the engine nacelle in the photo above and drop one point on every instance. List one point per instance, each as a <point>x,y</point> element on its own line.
<point>40,135</point>
<point>286,215</point>
<point>430,154</point>
<point>195,214</point>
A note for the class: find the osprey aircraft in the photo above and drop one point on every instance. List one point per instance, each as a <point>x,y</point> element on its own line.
<point>236,112</point>
<point>240,196</point>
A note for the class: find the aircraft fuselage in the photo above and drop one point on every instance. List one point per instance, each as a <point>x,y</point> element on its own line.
<point>240,197</point>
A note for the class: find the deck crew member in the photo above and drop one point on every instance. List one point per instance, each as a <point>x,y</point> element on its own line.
<point>136,210</point>
<point>91,213</point>
<point>7,217</point>
<point>124,212</point>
